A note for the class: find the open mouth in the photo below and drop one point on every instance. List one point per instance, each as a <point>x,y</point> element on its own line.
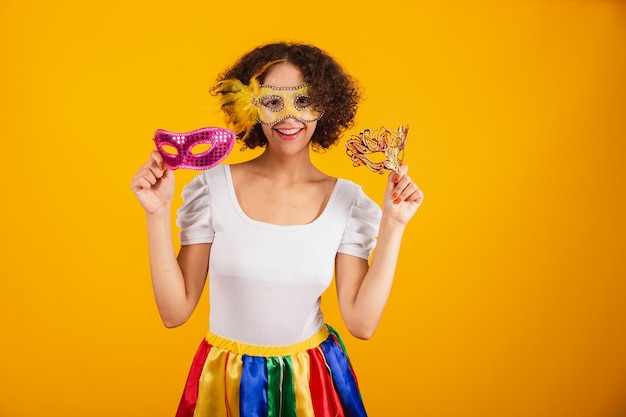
<point>289,132</point>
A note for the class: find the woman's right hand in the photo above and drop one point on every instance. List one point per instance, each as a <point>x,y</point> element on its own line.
<point>153,185</point>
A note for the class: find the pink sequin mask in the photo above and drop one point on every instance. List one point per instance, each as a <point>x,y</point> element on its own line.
<point>199,149</point>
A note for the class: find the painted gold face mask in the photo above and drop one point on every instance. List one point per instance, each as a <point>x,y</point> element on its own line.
<point>391,144</point>
<point>279,103</point>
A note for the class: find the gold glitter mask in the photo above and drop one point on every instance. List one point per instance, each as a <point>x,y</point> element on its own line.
<point>279,103</point>
<point>391,144</point>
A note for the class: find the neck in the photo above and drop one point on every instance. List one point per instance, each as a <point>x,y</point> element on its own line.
<point>285,167</point>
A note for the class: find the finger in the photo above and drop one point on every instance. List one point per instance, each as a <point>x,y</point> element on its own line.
<point>392,180</point>
<point>140,184</point>
<point>155,164</point>
<point>158,159</point>
<point>417,196</point>
<point>407,188</point>
<point>155,169</point>
<point>400,187</point>
<point>148,174</point>
<point>144,184</point>
<point>167,174</point>
<point>397,176</point>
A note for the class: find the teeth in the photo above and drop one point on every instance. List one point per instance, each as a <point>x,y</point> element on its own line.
<point>289,131</point>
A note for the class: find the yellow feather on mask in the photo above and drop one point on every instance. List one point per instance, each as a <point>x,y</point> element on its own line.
<point>237,100</point>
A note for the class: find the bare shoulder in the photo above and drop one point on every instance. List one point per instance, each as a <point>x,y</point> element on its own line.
<point>323,179</point>
<point>246,174</point>
<point>241,168</point>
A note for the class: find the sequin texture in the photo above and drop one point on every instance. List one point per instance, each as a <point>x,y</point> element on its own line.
<point>177,149</point>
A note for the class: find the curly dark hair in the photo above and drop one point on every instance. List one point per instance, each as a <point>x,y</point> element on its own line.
<point>332,90</point>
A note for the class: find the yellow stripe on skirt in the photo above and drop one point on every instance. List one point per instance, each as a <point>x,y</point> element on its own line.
<point>307,379</point>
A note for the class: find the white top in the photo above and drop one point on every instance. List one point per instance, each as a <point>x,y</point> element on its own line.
<point>265,280</point>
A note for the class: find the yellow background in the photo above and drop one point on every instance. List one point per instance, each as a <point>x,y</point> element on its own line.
<point>510,294</point>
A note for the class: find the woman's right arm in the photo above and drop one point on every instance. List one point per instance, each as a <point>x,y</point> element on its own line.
<point>177,281</point>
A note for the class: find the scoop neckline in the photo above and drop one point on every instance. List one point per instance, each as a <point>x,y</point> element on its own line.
<point>244,216</point>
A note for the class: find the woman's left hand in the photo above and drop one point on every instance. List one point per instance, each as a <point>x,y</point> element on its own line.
<point>402,196</point>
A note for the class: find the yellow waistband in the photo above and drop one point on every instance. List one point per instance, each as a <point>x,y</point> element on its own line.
<point>267,351</point>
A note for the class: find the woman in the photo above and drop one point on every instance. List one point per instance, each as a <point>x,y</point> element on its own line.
<point>270,233</point>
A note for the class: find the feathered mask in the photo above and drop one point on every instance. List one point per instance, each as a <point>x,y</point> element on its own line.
<point>238,101</point>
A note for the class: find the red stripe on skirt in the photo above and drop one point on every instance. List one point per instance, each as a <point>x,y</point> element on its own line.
<point>226,404</point>
<point>188,401</point>
<point>323,395</point>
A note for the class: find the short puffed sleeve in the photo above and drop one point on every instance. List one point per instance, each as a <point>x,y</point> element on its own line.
<point>194,216</point>
<point>359,238</point>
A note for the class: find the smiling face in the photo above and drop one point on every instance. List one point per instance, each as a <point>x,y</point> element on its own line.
<point>289,117</point>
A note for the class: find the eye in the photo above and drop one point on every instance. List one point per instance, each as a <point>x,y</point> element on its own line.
<point>302,102</point>
<point>273,103</point>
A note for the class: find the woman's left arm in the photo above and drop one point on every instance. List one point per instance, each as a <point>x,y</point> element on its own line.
<point>363,289</point>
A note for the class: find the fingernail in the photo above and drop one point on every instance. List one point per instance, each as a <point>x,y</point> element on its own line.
<point>396,201</point>
<point>394,195</point>
<point>396,179</point>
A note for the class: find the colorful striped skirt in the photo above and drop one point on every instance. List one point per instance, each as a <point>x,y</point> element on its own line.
<point>313,378</point>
